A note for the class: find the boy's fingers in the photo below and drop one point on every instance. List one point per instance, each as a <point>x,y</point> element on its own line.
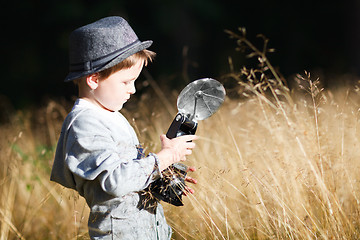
<point>191,180</point>
<point>188,190</point>
<point>188,152</point>
<point>190,144</point>
<point>189,137</point>
<point>191,169</point>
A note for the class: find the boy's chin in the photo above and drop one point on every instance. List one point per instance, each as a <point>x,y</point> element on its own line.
<point>119,107</point>
<point>114,108</point>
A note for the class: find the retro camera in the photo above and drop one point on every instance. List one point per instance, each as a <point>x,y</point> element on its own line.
<point>197,101</point>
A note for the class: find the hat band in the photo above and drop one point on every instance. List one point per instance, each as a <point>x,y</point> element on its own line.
<point>92,64</point>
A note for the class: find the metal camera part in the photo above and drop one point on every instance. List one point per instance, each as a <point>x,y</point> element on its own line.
<point>201,98</point>
<point>197,101</point>
<point>181,125</point>
<point>171,186</point>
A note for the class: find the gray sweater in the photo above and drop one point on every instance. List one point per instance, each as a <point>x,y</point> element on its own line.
<point>97,155</point>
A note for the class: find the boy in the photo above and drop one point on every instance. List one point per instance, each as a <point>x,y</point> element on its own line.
<point>97,153</point>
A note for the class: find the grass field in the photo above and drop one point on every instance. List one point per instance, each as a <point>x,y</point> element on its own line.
<point>271,164</point>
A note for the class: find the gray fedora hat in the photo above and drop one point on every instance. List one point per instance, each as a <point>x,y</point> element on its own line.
<point>101,45</point>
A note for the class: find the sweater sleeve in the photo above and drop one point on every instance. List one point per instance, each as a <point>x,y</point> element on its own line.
<point>95,153</point>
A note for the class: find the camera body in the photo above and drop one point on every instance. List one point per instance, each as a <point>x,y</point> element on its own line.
<point>181,125</point>
<point>171,186</point>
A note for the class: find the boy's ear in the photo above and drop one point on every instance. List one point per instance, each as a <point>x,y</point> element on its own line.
<point>93,80</point>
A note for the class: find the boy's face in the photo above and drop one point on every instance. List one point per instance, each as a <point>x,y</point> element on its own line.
<point>112,92</point>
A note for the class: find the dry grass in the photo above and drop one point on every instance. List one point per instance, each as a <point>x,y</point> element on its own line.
<point>272,164</point>
<point>267,172</point>
<point>260,178</point>
<point>31,207</point>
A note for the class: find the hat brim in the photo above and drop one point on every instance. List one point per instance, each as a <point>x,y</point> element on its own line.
<point>136,48</point>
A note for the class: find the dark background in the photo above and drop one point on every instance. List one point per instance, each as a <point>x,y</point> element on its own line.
<point>318,36</point>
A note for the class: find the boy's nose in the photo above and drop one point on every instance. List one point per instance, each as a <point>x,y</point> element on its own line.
<point>132,88</point>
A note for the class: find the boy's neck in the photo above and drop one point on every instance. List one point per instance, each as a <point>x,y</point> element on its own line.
<point>94,102</point>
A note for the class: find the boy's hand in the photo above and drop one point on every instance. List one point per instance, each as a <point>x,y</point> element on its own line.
<point>175,150</point>
<point>190,180</point>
